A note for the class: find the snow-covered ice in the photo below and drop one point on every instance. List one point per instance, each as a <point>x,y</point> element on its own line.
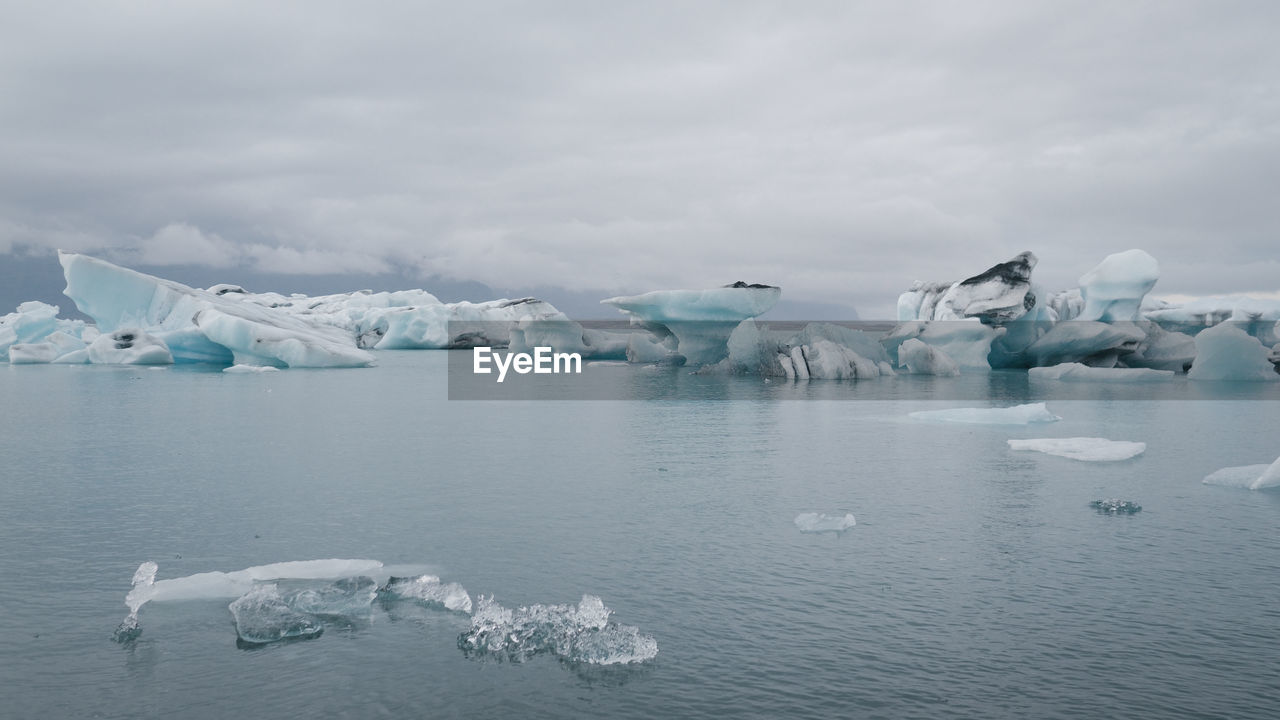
<point>1089,449</point>
<point>1016,415</point>
<point>812,522</point>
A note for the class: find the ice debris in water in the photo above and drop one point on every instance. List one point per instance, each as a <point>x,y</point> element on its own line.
<point>1088,449</point>
<point>576,633</point>
<point>246,369</point>
<point>1249,477</point>
<point>346,596</point>
<point>1115,506</point>
<point>428,590</point>
<point>823,523</point>
<point>1016,415</point>
<point>263,615</point>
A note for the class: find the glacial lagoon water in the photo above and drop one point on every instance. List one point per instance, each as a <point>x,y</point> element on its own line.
<point>978,582</point>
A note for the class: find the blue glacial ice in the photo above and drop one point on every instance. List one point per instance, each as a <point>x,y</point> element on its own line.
<point>580,633</point>
<point>812,522</point>
<point>1249,477</point>
<point>1226,352</point>
<point>1016,415</point>
<point>1088,449</point>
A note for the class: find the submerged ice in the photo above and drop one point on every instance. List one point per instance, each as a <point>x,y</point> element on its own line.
<point>812,522</point>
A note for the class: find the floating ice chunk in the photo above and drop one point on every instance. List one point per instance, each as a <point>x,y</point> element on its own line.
<point>244,369</point>
<point>1115,506</point>
<point>967,342</point>
<point>143,578</point>
<point>1225,352</point>
<point>1249,477</point>
<point>997,295</point>
<point>922,359</point>
<point>1163,350</point>
<point>1089,449</point>
<point>1016,415</point>
<point>129,346</point>
<point>581,633</point>
<point>823,523</point>
<point>428,590</point>
<point>263,616</point>
<point>1113,290</point>
<point>213,585</point>
<point>1079,372</point>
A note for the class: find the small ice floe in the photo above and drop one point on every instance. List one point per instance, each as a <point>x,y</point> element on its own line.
<point>428,590</point>
<point>263,615</point>
<point>580,633</point>
<point>1082,372</point>
<point>1115,506</point>
<point>1016,415</point>
<point>822,523</point>
<point>1088,449</point>
<point>246,369</point>
<point>1249,477</point>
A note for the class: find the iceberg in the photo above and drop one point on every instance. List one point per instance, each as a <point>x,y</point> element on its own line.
<point>925,360</point>
<point>1249,477</point>
<point>580,633</point>
<point>1225,352</point>
<point>30,323</point>
<point>1091,342</point>
<point>1016,415</point>
<point>999,294</point>
<point>1089,449</point>
<point>200,326</point>
<point>1257,316</point>
<point>822,523</point>
<point>1113,291</point>
<point>968,342</point>
<point>700,320</point>
<point>1080,372</point>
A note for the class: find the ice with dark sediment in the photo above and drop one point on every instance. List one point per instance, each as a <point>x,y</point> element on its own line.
<point>813,522</point>
<point>580,633</point>
<point>1000,293</point>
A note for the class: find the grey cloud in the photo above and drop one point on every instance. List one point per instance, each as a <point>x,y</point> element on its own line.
<point>842,150</point>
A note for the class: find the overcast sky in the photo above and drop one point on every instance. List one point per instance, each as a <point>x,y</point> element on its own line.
<point>841,150</point>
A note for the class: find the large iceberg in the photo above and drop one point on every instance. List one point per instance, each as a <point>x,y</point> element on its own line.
<point>699,320</point>
<point>197,325</point>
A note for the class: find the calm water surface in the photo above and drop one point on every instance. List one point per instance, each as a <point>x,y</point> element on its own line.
<point>977,583</point>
